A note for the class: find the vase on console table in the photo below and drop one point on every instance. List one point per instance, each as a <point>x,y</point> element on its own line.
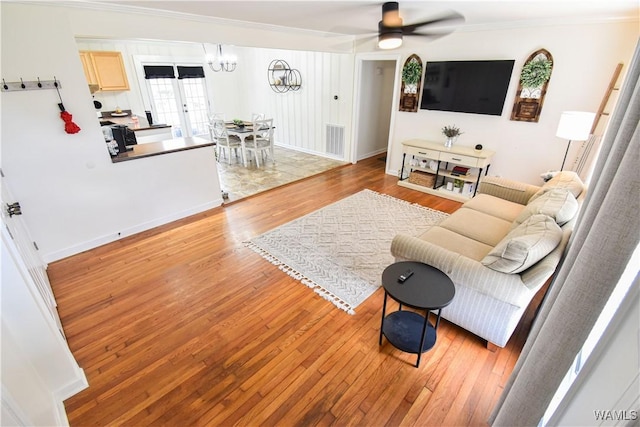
<point>452,132</point>
<point>450,140</point>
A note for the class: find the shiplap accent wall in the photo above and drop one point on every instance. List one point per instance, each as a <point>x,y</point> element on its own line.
<point>300,116</point>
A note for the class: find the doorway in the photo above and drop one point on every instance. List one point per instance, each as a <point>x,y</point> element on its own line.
<point>375,100</point>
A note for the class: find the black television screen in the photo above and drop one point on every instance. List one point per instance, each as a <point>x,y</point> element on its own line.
<point>466,86</point>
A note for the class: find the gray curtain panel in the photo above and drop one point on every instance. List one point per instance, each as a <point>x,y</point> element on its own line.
<point>603,241</point>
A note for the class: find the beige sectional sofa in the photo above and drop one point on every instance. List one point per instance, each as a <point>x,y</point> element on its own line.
<point>499,249</point>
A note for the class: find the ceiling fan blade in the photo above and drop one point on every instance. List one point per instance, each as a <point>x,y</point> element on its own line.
<point>450,18</point>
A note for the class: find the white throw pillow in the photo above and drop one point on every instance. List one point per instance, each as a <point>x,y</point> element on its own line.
<point>525,245</point>
<point>558,203</point>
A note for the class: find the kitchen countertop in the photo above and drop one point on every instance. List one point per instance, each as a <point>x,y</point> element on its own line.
<point>143,124</point>
<point>167,146</point>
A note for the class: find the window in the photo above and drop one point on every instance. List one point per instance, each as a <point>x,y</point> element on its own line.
<point>618,294</point>
<point>181,102</point>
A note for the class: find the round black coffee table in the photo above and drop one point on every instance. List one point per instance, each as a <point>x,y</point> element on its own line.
<point>427,288</point>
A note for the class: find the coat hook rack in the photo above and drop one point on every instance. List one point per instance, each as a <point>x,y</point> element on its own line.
<point>30,85</point>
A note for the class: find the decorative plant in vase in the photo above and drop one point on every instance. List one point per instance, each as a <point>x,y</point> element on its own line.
<point>452,133</point>
<point>239,123</point>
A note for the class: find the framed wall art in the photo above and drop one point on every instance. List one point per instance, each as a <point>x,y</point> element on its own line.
<point>532,87</point>
<point>411,81</point>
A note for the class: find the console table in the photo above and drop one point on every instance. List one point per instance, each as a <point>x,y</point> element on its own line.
<point>432,159</point>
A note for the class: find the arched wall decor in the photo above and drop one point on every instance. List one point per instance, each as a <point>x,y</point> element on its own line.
<point>411,83</point>
<point>532,86</point>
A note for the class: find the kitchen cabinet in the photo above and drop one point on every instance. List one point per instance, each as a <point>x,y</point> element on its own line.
<point>105,69</point>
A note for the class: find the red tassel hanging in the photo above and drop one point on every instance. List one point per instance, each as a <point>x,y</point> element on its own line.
<point>69,126</point>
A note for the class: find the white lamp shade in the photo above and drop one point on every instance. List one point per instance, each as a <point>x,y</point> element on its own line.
<point>575,125</point>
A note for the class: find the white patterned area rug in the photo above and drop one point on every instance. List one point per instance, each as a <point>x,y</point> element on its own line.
<point>341,250</point>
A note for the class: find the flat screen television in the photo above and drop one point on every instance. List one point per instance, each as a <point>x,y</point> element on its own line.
<point>478,87</point>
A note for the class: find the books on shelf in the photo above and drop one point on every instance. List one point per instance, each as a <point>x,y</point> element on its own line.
<point>460,171</point>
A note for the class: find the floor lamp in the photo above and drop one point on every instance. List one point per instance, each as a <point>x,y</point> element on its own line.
<point>574,126</point>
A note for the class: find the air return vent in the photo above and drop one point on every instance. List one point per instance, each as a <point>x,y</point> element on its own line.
<point>335,140</point>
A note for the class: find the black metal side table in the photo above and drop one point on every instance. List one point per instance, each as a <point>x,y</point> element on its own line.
<point>426,289</point>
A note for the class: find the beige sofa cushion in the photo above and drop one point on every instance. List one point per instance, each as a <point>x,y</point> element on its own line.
<point>525,245</point>
<point>495,206</point>
<point>567,179</point>
<point>558,203</point>
<point>478,226</point>
<point>456,243</point>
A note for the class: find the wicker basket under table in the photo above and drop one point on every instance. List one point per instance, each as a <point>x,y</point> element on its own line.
<point>422,178</point>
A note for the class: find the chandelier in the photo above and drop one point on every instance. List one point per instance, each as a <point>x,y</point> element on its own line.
<point>221,62</point>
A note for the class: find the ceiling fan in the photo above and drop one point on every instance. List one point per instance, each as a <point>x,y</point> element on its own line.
<point>391,28</point>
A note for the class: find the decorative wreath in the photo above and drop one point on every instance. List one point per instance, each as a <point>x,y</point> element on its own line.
<point>535,73</point>
<point>411,72</point>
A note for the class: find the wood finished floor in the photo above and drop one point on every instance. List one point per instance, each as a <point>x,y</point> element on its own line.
<point>182,325</point>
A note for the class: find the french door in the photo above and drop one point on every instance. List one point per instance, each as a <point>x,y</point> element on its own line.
<point>181,102</point>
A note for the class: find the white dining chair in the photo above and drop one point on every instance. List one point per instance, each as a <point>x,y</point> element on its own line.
<point>223,140</point>
<point>261,140</point>
<point>212,117</point>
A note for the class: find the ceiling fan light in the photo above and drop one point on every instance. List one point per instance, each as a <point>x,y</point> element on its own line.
<point>389,40</point>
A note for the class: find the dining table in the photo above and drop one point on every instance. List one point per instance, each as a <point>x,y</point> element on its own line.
<point>242,132</point>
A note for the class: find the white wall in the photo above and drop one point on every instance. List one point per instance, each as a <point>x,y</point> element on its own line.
<point>73,197</point>
<point>300,116</point>
<point>38,370</point>
<point>585,57</point>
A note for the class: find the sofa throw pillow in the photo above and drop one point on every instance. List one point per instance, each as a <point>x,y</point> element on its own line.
<point>525,245</point>
<point>558,203</point>
<point>566,179</point>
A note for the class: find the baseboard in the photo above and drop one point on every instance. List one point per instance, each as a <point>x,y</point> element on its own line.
<point>371,154</point>
<point>75,387</point>
<point>394,172</point>
<point>63,420</point>
<point>304,150</point>
<point>103,240</point>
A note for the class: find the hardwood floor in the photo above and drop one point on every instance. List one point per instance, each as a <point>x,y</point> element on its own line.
<point>182,325</point>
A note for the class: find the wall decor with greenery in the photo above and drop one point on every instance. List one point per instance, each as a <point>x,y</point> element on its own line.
<point>534,79</point>
<point>411,82</point>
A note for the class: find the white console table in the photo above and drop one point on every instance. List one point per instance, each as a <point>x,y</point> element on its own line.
<point>436,159</point>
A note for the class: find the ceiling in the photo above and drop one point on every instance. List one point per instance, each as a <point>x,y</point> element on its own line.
<point>361,17</point>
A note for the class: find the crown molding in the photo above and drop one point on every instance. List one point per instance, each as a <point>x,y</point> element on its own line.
<point>541,23</point>
<point>127,9</point>
<point>102,6</point>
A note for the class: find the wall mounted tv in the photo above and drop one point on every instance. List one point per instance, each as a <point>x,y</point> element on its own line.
<point>466,86</point>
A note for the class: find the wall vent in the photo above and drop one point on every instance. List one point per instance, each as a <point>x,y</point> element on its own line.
<point>335,140</point>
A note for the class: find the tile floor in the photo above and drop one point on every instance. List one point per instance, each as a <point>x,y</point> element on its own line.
<point>290,165</point>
